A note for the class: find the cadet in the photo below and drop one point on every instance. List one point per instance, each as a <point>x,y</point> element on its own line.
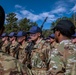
<point>5,40</point>
<point>14,43</point>
<point>21,37</point>
<point>39,53</point>
<point>63,59</point>
<point>53,42</point>
<point>8,64</point>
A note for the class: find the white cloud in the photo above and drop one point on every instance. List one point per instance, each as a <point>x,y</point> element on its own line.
<point>29,15</point>
<point>74,9</point>
<point>18,6</point>
<point>59,7</point>
<point>64,7</point>
<point>18,16</point>
<point>59,10</point>
<point>51,17</point>
<point>22,13</point>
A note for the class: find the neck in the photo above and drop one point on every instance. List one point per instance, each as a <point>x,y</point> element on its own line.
<point>23,42</point>
<point>38,40</point>
<point>63,38</point>
<point>13,41</point>
<point>5,42</point>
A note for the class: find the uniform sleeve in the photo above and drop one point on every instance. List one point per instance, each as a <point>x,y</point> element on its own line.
<point>45,50</point>
<point>20,69</point>
<point>70,56</point>
<point>63,60</point>
<point>11,66</point>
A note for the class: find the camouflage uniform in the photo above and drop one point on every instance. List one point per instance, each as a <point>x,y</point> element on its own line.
<point>14,43</point>
<point>39,58</point>
<point>63,59</point>
<point>12,46</point>
<point>3,48</point>
<point>10,66</point>
<point>54,45</point>
<point>22,54</point>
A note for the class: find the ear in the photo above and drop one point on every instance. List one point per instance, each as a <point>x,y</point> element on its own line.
<point>39,34</point>
<point>58,33</point>
<point>1,31</point>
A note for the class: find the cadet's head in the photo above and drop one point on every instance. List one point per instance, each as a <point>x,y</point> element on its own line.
<point>35,33</point>
<point>74,38</point>
<point>21,36</point>
<point>2,18</point>
<point>52,38</point>
<point>64,28</point>
<point>4,36</point>
<point>12,36</point>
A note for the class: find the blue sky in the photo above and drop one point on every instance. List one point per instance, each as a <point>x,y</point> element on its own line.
<point>37,10</point>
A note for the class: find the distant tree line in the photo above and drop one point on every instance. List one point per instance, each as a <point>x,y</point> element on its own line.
<point>13,24</point>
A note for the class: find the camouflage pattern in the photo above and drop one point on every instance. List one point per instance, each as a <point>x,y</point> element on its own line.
<point>3,48</point>
<point>10,66</point>
<point>12,46</point>
<point>54,45</point>
<point>63,59</point>
<point>22,54</point>
<point>39,58</point>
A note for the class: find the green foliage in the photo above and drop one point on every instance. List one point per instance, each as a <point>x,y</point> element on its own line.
<point>25,24</point>
<point>12,23</point>
<point>46,32</point>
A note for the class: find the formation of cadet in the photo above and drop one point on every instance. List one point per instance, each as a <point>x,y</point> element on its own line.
<point>22,54</point>
<point>8,64</point>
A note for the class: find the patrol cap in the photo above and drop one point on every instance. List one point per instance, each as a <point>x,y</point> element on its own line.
<point>21,33</point>
<point>34,30</point>
<point>2,17</point>
<point>66,27</point>
<point>74,36</point>
<point>52,36</point>
<point>4,35</point>
<point>12,34</point>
